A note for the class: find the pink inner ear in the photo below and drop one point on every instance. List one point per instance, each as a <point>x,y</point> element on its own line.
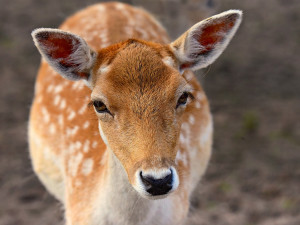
<point>213,34</point>
<point>58,46</point>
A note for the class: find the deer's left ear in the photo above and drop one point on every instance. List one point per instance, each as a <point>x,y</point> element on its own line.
<point>202,44</point>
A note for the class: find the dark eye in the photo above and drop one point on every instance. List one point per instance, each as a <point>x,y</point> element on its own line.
<point>100,107</point>
<point>182,100</point>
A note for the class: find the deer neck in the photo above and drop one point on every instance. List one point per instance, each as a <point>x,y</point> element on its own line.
<point>120,198</point>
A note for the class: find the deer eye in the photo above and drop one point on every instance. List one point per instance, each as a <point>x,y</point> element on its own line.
<point>183,99</point>
<point>100,107</point>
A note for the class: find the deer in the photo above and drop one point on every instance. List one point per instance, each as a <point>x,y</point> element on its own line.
<point>120,130</point>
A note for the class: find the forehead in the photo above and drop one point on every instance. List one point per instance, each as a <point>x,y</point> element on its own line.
<point>139,71</point>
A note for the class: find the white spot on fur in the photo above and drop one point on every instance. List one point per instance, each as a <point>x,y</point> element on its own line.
<point>58,89</point>
<point>120,6</point>
<point>86,146</point>
<point>103,36</point>
<point>181,156</point>
<point>182,138</point>
<point>82,109</point>
<point>86,124</point>
<point>101,8</point>
<point>56,99</point>
<point>198,105</point>
<point>62,104</point>
<point>87,166</point>
<point>61,120</point>
<point>52,72</point>
<point>74,163</point>
<point>71,115</point>
<point>94,145</point>
<point>52,128</point>
<point>39,99</point>
<point>104,39</point>
<point>71,149</point>
<point>50,88</point>
<point>192,119</point>
<point>46,115</point>
<point>79,85</point>
<point>185,128</point>
<point>72,131</point>
<point>75,85</point>
<point>78,145</point>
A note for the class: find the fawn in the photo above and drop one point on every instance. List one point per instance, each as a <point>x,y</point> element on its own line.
<point>110,69</point>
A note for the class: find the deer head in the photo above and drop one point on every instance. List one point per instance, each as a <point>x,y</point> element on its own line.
<point>138,92</point>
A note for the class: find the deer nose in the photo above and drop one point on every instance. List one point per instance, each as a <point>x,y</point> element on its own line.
<point>157,185</point>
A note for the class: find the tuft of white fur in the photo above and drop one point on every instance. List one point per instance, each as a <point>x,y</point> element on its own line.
<point>168,61</point>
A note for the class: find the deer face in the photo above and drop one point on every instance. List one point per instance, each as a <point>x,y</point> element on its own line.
<point>139,99</point>
<point>139,94</point>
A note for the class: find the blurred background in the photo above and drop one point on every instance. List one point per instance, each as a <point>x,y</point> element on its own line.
<point>254,91</point>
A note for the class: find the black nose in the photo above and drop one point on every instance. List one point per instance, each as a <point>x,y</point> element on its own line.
<point>157,186</point>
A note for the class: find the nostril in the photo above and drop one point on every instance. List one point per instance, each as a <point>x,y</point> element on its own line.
<point>157,186</point>
<point>146,180</point>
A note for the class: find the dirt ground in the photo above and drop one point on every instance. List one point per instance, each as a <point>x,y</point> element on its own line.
<point>254,90</point>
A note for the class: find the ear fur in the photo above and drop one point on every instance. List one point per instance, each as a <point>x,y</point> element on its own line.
<point>203,43</point>
<point>67,53</point>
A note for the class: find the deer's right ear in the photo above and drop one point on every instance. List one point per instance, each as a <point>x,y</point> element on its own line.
<point>67,53</point>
